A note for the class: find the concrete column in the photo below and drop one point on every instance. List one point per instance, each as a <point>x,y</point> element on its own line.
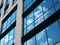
<point>19,23</point>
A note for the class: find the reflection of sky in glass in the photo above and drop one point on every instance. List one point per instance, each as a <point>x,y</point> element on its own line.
<point>39,20</point>
<point>27,4</point>
<point>49,13</point>
<point>8,39</point>
<point>30,18</point>
<point>38,11</point>
<point>41,38</point>
<point>57,6</point>
<point>53,32</point>
<point>25,23</point>
<point>2,41</point>
<point>31,41</point>
<point>47,4</point>
<point>15,1</point>
<point>55,1</point>
<point>9,21</point>
<point>29,28</point>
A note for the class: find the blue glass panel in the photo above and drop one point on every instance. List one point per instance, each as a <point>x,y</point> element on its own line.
<point>25,31</point>
<point>57,6</point>
<point>25,7</point>
<point>13,17</point>
<point>11,42</point>
<point>15,1</point>
<point>38,11</point>
<point>4,26</point>
<point>11,34</point>
<point>47,4</point>
<point>41,38</point>
<point>8,1</point>
<point>55,1</point>
<point>2,41</point>
<point>29,3</point>
<point>59,20</point>
<point>6,38</point>
<point>25,23</point>
<point>0,12</point>
<point>53,32</point>
<point>49,13</point>
<point>31,41</point>
<point>30,27</point>
<point>30,18</point>
<point>39,20</point>
<point>8,22</point>
<point>25,43</point>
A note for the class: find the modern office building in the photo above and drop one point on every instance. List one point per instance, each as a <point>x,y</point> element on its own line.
<point>29,22</point>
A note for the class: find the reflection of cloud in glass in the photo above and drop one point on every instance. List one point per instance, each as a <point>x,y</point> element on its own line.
<point>39,11</point>
<point>29,21</point>
<point>49,40</point>
<point>10,37</point>
<point>41,35</point>
<point>37,14</point>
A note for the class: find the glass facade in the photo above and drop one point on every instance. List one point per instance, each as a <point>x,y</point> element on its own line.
<point>9,21</point>
<point>48,36</point>
<point>7,5</point>
<point>27,4</point>
<point>9,38</point>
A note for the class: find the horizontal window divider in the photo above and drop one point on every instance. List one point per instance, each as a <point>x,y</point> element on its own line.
<point>31,8</point>
<point>8,30</point>
<point>54,17</point>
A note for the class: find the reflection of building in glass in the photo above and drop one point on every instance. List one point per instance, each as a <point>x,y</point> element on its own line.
<point>41,22</point>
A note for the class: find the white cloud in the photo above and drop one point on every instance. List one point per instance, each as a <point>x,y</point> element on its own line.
<point>29,21</point>
<point>49,40</point>
<point>38,13</point>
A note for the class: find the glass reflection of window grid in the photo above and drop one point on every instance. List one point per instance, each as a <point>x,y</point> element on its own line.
<point>30,27</point>
<point>49,13</point>
<point>39,20</point>
<point>38,11</point>
<point>47,5</point>
<point>30,18</point>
